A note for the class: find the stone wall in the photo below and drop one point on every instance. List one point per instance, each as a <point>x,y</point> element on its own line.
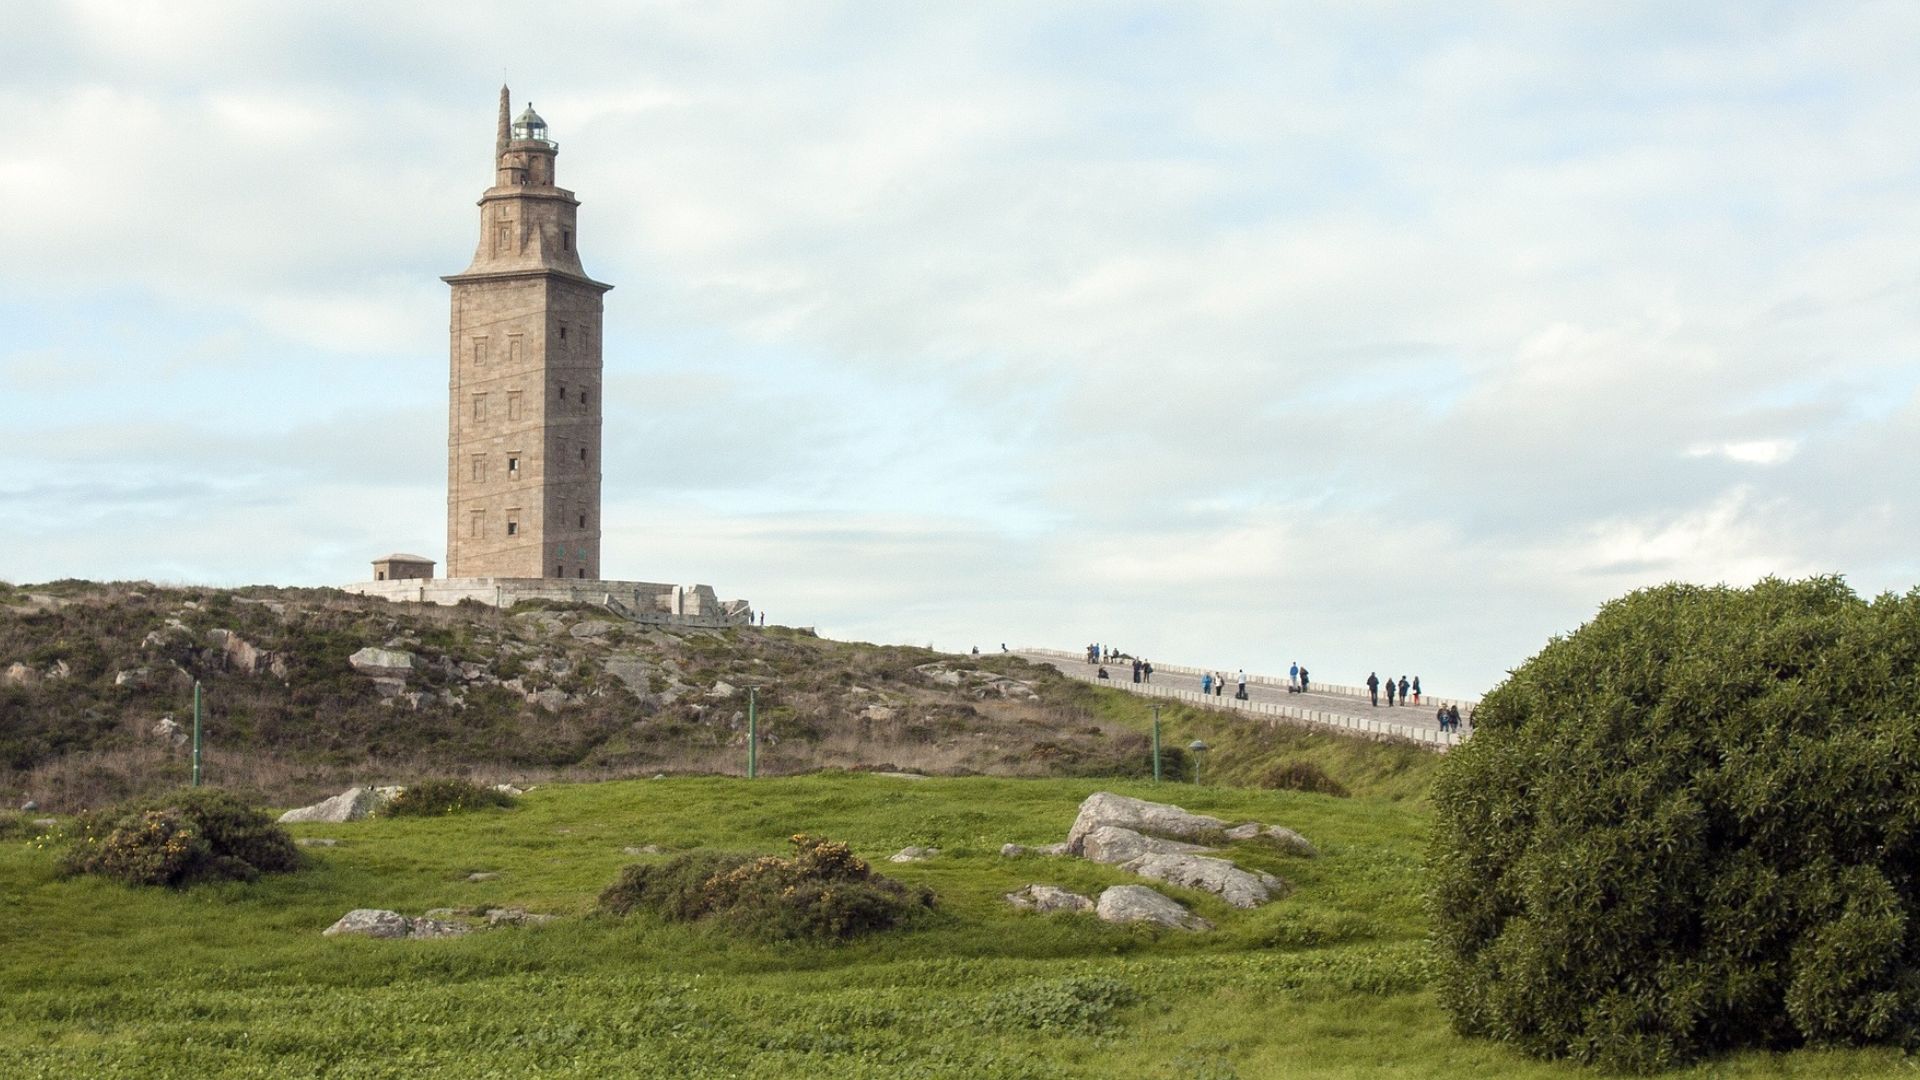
<point>641,601</point>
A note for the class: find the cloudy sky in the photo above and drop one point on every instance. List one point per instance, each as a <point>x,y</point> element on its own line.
<point>1379,336</point>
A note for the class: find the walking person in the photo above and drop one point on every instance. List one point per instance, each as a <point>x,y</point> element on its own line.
<point>1146,669</point>
<point>1241,692</point>
<point>1206,683</point>
<point>1390,689</point>
<point>1453,716</point>
<point>1403,689</point>
<point>1293,678</point>
<point>1303,680</point>
<point>1373,687</point>
<point>1441,717</point>
<point>1136,671</point>
<point>1416,689</point>
<point>1219,683</point>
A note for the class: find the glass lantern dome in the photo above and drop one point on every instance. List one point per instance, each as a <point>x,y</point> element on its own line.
<point>530,127</point>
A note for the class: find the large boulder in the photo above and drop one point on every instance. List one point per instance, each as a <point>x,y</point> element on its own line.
<point>350,805</point>
<point>1151,818</point>
<point>1113,845</point>
<point>1241,888</point>
<point>1048,898</point>
<point>169,729</point>
<point>384,663</point>
<point>1138,903</point>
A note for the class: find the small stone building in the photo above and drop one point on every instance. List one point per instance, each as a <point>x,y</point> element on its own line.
<point>402,568</point>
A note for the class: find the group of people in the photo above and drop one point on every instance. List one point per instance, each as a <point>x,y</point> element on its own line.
<point>1409,691</point>
<point>1103,655</point>
<point>1449,717</point>
<point>1215,683</point>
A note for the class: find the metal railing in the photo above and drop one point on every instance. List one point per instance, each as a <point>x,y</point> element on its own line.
<point>1278,682</point>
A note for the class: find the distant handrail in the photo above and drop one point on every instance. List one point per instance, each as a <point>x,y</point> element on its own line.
<point>1433,738</point>
<point>1279,681</point>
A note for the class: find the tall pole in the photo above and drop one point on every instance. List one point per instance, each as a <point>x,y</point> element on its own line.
<point>1156,744</point>
<point>196,733</point>
<point>753,733</point>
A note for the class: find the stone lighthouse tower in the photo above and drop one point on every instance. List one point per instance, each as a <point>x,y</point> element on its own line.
<point>523,430</point>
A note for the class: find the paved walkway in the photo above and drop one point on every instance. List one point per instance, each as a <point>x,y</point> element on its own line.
<point>1415,722</point>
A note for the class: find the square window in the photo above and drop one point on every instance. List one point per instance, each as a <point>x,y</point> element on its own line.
<point>513,526</point>
<point>513,468</point>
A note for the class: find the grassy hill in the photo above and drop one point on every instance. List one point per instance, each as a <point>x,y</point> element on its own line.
<point>535,693</point>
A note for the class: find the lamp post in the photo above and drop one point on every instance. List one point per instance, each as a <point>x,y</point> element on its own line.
<point>196,733</point>
<point>1156,744</point>
<point>1198,748</point>
<point>753,733</point>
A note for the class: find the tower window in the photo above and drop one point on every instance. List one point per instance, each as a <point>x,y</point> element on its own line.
<point>583,572</point>
<point>513,349</point>
<point>513,403</point>
<point>559,571</point>
<point>513,468</point>
<point>583,453</point>
<point>563,331</point>
<point>566,239</point>
<point>479,408</point>
<point>583,521</point>
<point>513,525</point>
<point>476,526</point>
<point>479,350</point>
<point>563,393</point>
<point>583,397</point>
<point>479,469</point>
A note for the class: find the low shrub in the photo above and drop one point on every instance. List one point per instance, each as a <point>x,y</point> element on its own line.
<point>434,798</point>
<point>180,838</point>
<point>1298,775</point>
<point>823,892</point>
<point>1078,1004</point>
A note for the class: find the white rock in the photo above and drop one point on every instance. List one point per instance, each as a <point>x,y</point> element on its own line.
<point>904,775</point>
<point>878,712</point>
<point>18,674</point>
<point>722,690</point>
<point>352,804</point>
<point>1241,888</point>
<point>317,841</point>
<point>1047,898</point>
<point>130,677</point>
<point>169,729</point>
<point>644,849</point>
<point>1112,844</point>
<point>384,663</point>
<point>516,917</point>
<point>913,854</point>
<point>1138,903</point>
<point>593,628</point>
<point>484,875</point>
<point>371,922</point>
<point>1012,851</point>
<point>434,928</point>
<point>509,789</point>
<point>1153,819</point>
<point>1283,838</point>
<point>551,699</point>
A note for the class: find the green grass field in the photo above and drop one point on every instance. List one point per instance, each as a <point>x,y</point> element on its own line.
<point>100,980</point>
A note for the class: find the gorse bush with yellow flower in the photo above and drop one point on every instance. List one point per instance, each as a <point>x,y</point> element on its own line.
<point>180,838</point>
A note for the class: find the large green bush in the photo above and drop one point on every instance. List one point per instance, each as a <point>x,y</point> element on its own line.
<point>193,835</point>
<point>823,891</point>
<point>1693,824</point>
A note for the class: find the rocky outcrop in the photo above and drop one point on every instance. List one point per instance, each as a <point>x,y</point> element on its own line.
<point>913,854</point>
<point>242,656</point>
<point>978,684</point>
<point>371,922</point>
<point>18,674</point>
<point>169,729</point>
<point>1241,888</point>
<point>1138,903</point>
<point>1150,818</point>
<point>380,923</point>
<point>350,805</point>
<point>1046,899</point>
<point>1113,845</point>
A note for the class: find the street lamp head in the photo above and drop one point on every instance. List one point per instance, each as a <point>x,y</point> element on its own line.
<point>1197,746</point>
